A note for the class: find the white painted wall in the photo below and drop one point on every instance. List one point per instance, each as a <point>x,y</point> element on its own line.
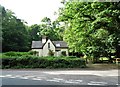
<point>38,50</point>
<point>45,48</point>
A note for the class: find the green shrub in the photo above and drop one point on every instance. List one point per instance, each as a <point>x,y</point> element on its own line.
<point>42,62</point>
<point>71,57</point>
<point>64,53</point>
<point>34,53</point>
<point>51,53</point>
<point>11,53</point>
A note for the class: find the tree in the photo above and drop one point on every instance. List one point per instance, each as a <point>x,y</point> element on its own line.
<point>34,32</point>
<point>92,27</point>
<point>50,29</point>
<point>14,33</point>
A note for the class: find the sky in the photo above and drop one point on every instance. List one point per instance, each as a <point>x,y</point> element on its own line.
<point>33,11</point>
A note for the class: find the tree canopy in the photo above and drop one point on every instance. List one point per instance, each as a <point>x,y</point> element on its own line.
<point>93,28</point>
<point>17,36</point>
<point>46,28</point>
<point>90,28</point>
<point>14,33</point>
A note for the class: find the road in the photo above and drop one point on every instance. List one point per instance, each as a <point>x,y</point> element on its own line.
<point>60,77</point>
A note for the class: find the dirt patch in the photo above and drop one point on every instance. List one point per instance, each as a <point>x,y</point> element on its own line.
<point>103,66</point>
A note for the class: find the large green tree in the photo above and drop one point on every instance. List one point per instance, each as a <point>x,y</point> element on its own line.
<point>34,32</point>
<point>46,28</point>
<point>14,34</point>
<point>93,28</point>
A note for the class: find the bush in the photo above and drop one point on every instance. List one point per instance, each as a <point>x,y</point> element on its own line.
<point>63,53</point>
<point>42,62</point>
<point>10,54</point>
<point>72,57</point>
<point>34,53</point>
<point>16,53</point>
<point>51,53</point>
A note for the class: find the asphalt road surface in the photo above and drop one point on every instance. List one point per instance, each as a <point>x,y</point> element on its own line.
<point>60,77</point>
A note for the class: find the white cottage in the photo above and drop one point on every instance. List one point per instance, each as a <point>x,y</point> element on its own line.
<point>43,47</point>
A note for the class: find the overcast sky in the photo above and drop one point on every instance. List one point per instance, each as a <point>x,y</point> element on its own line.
<point>32,11</point>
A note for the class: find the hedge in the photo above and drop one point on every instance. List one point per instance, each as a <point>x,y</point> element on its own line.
<point>12,53</point>
<point>42,62</point>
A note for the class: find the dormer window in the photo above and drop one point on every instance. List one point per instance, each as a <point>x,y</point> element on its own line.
<point>48,45</point>
<point>57,45</point>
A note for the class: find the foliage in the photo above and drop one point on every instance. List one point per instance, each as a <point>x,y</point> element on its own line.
<point>17,36</point>
<point>63,53</point>
<point>92,28</point>
<point>34,53</point>
<point>41,62</point>
<point>34,32</point>
<point>11,53</point>
<point>14,34</point>
<point>51,53</point>
<point>46,28</point>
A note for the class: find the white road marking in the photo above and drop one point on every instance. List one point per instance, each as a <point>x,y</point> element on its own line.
<point>8,75</point>
<point>77,72</point>
<point>118,84</point>
<point>93,84</point>
<point>58,79</point>
<point>97,83</point>
<point>23,78</point>
<point>12,77</point>
<point>53,80</point>
<point>79,80</point>
<point>71,81</point>
<point>17,76</point>
<point>36,79</point>
<point>41,77</point>
<point>65,81</point>
<point>2,76</point>
<point>29,76</point>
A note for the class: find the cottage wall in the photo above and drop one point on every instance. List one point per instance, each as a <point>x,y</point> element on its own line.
<point>46,49</point>
<point>59,50</point>
<point>39,51</point>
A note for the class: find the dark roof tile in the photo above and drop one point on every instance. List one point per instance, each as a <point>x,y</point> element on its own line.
<point>58,44</point>
<point>37,44</point>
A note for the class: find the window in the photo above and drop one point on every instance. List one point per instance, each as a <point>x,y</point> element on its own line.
<point>58,45</point>
<point>48,45</point>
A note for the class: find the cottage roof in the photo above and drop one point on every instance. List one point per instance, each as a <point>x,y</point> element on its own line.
<point>57,44</point>
<point>37,44</point>
<point>60,44</point>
